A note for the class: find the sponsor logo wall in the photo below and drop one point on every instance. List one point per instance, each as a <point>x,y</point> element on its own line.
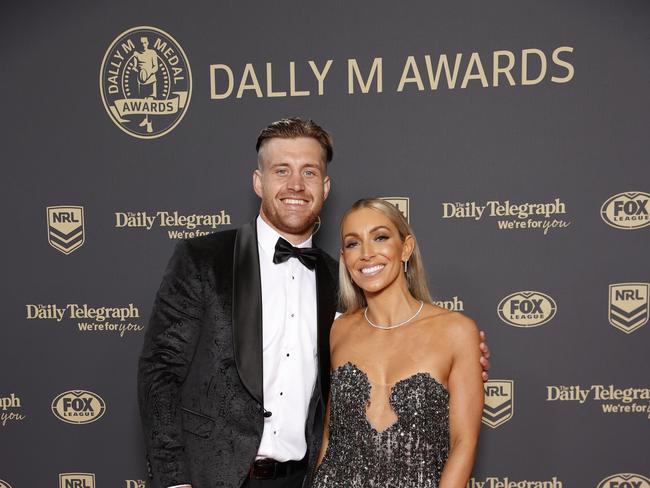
<point>520,160</point>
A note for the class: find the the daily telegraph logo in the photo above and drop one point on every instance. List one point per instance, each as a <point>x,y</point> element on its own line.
<point>611,398</point>
<point>76,480</point>
<point>4,484</point>
<point>628,305</point>
<point>10,410</point>
<point>78,407</point>
<point>178,225</point>
<point>135,484</point>
<point>120,320</point>
<point>65,228</point>
<point>146,82</point>
<point>499,404</point>
<point>512,216</point>
<point>507,482</point>
<point>527,309</point>
<point>627,211</point>
<point>625,480</point>
<point>402,204</point>
<point>455,304</point>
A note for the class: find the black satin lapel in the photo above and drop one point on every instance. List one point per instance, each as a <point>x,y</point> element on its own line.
<point>326,293</point>
<point>247,311</point>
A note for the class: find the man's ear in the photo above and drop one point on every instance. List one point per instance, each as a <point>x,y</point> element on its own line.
<point>326,187</point>
<point>257,182</point>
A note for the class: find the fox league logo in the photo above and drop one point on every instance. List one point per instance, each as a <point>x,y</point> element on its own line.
<point>628,305</point>
<point>499,402</point>
<point>65,228</point>
<point>145,82</point>
<point>76,480</point>
<point>627,211</point>
<point>527,309</point>
<point>78,407</point>
<point>625,480</point>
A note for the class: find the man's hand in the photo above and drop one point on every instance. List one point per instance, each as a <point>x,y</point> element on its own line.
<point>485,356</point>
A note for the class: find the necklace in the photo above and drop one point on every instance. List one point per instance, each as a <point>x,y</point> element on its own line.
<point>386,327</point>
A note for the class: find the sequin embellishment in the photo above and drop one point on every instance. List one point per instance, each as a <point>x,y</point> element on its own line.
<point>409,453</point>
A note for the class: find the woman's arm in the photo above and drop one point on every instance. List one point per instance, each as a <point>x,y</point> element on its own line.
<point>465,388</point>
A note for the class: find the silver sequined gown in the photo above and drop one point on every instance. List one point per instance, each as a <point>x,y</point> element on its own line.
<point>410,453</point>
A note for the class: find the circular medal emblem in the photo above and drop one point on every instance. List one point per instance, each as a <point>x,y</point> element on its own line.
<point>145,82</point>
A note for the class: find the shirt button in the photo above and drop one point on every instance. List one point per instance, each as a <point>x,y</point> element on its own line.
<point>293,277</point>
<point>287,354</point>
<point>280,393</point>
<point>292,315</point>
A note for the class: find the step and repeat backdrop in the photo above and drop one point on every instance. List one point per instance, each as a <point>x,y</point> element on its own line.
<point>513,135</point>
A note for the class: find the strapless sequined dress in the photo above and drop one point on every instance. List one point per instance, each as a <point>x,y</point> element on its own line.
<point>410,453</point>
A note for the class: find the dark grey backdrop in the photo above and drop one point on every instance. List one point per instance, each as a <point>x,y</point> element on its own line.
<point>582,142</point>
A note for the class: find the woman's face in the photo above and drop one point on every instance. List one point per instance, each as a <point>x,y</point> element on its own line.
<point>372,250</point>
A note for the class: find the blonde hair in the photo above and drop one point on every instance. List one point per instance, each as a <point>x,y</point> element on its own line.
<point>351,297</point>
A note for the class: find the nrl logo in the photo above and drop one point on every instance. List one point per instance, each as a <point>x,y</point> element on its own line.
<point>145,82</point>
<point>625,480</point>
<point>402,204</point>
<point>628,305</point>
<point>499,402</point>
<point>65,228</point>
<point>76,480</point>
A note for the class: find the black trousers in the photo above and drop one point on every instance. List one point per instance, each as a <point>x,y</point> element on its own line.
<point>293,481</point>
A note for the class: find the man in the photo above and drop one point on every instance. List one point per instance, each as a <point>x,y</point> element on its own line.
<point>234,372</point>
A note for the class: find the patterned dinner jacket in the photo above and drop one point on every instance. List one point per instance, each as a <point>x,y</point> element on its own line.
<point>200,383</point>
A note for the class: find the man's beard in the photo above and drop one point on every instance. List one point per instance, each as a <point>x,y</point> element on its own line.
<point>292,225</point>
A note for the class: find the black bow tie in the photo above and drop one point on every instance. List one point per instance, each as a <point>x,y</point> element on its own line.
<point>306,255</point>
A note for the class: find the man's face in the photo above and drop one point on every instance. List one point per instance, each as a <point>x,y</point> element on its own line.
<point>292,184</point>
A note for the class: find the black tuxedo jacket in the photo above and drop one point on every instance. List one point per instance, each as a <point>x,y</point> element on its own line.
<point>200,384</point>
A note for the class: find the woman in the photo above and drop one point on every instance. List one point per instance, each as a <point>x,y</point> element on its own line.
<point>406,391</point>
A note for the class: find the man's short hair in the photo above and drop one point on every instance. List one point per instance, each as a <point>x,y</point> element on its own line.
<point>293,127</point>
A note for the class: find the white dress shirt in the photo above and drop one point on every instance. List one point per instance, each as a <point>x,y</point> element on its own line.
<point>289,339</point>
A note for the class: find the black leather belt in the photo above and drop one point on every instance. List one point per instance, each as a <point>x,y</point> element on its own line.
<point>268,469</point>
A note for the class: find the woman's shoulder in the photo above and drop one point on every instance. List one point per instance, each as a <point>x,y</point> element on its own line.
<point>457,328</point>
<point>343,323</point>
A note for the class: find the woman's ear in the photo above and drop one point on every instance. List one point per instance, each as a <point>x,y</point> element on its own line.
<point>409,245</point>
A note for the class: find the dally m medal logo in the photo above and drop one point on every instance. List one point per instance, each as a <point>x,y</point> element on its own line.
<point>527,309</point>
<point>402,204</point>
<point>145,82</point>
<point>65,228</point>
<point>4,484</point>
<point>78,407</point>
<point>499,404</point>
<point>627,211</point>
<point>628,305</point>
<point>76,480</point>
<point>625,480</point>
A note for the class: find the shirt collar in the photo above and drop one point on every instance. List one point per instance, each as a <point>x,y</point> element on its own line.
<point>267,237</point>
